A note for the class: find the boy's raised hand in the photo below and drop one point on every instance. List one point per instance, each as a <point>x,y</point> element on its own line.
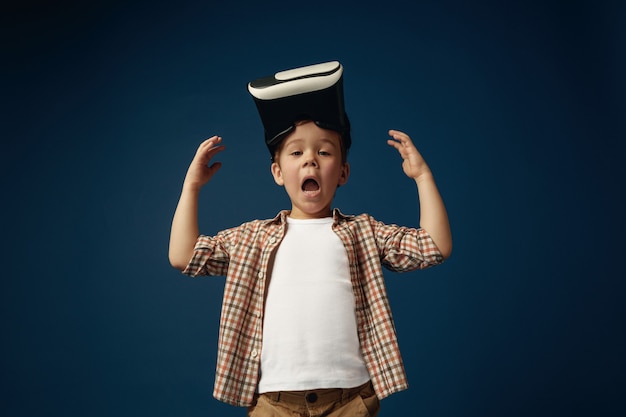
<point>433,216</point>
<point>200,172</point>
<point>413,163</point>
<point>184,231</point>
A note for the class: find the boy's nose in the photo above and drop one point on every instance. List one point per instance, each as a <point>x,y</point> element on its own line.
<point>310,161</point>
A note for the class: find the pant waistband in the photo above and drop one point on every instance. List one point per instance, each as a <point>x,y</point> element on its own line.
<point>320,396</point>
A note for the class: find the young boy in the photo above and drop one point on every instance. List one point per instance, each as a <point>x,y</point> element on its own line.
<point>306,327</point>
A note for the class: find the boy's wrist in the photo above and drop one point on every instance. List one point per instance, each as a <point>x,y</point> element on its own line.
<point>191,186</point>
<point>423,178</point>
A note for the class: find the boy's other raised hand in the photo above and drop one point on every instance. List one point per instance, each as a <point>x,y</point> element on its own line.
<point>433,216</point>
<point>413,163</point>
<point>200,172</point>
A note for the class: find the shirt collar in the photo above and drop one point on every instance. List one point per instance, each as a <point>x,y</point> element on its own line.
<point>281,217</point>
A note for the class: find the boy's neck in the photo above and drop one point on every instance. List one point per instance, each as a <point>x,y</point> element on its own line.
<point>299,214</point>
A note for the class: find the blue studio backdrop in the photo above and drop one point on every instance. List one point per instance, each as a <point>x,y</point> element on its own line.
<point>518,107</point>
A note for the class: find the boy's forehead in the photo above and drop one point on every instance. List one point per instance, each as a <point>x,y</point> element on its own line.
<point>312,134</point>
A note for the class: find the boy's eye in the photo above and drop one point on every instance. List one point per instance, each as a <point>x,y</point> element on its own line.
<point>325,153</point>
<point>296,153</point>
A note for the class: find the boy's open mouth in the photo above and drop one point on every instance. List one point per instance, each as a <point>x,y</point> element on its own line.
<point>310,185</point>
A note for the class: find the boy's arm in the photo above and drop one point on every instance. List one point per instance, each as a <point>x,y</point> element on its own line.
<point>184,232</point>
<point>433,215</point>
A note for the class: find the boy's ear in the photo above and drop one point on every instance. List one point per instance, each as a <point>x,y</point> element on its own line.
<point>345,174</point>
<point>277,173</point>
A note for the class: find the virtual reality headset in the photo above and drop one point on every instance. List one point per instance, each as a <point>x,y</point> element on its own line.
<point>313,92</point>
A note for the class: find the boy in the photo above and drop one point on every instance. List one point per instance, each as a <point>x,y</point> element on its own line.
<point>306,327</point>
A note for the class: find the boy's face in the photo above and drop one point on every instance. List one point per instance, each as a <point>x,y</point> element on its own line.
<point>309,165</point>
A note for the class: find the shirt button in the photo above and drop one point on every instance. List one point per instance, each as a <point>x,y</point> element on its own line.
<point>261,275</point>
<point>254,353</point>
<point>272,239</point>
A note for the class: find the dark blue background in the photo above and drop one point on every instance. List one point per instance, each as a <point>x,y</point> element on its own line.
<point>517,106</point>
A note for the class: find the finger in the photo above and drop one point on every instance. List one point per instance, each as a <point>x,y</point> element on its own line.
<point>213,150</point>
<point>402,150</point>
<point>214,168</point>
<point>395,144</point>
<point>400,141</point>
<point>209,143</point>
<point>400,137</point>
<point>397,133</point>
<point>204,158</point>
<point>209,148</point>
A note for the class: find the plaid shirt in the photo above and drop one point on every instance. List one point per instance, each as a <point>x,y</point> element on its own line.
<point>244,255</point>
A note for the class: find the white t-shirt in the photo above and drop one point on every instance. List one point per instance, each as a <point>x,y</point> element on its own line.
<point>309,331</point>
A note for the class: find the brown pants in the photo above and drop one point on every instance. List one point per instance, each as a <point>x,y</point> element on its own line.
<point>336,402</point>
